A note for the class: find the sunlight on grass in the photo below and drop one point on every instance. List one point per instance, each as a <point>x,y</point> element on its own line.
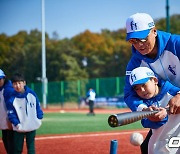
<point>60,123</point>
<point>71,123</point>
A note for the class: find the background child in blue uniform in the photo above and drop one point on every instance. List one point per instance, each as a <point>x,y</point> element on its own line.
<point>5,125</point>
<point>25,114</point>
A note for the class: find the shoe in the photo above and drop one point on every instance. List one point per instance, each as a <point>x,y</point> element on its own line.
<point>91,114</point>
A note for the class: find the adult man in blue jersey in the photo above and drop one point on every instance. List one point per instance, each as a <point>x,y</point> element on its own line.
<point>155,49</point>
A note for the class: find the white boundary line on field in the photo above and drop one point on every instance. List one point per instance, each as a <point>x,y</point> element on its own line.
<point>88,135</point>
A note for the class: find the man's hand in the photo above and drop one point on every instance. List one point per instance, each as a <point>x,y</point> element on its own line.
<point>174,104</point>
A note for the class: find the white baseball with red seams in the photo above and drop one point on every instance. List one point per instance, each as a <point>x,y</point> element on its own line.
<point>136,139</point>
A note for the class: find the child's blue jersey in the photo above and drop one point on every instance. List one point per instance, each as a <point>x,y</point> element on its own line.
<point>162,130</point>
<point>5,90</point>
<point>166,65</point>
<point>161,100</point>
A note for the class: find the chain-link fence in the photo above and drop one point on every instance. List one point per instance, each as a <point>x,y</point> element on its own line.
<point>73,91</point>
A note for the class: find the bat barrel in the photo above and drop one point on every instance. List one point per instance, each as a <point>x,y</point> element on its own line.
<point>116,120</point>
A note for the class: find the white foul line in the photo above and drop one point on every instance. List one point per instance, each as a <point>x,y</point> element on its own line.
<point>87,135</point>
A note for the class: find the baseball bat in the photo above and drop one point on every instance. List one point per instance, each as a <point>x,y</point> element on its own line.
<point>120,119</point>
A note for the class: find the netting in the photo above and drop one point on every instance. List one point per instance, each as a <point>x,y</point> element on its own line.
<point>72,91</point>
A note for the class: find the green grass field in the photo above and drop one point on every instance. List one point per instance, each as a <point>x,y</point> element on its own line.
<point>71,123</point>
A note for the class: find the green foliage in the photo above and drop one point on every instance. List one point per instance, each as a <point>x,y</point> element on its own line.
<point>174,24</point>
<point>86,55</point>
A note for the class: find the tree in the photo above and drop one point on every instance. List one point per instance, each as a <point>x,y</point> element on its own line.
<point>86,55</point>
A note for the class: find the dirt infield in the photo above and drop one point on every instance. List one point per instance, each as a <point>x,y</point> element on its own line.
<point>84,143</point>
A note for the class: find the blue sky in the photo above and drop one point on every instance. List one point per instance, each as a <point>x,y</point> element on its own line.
<point>71,17</point>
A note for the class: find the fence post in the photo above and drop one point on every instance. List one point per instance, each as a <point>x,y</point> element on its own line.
<point>32,86</point>
<point>79,88</point>
<point>62,93</point>
<point>97,86</point>
<point>117,86</point>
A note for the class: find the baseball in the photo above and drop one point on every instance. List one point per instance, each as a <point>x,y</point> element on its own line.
<point>136,139</point>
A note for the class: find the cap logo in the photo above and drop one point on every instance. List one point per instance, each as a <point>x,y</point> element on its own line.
<point>128,72</point>
<point>150,74</point>
<point>133,26</point>
<point>133,77</point>
<point>151,24</point>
